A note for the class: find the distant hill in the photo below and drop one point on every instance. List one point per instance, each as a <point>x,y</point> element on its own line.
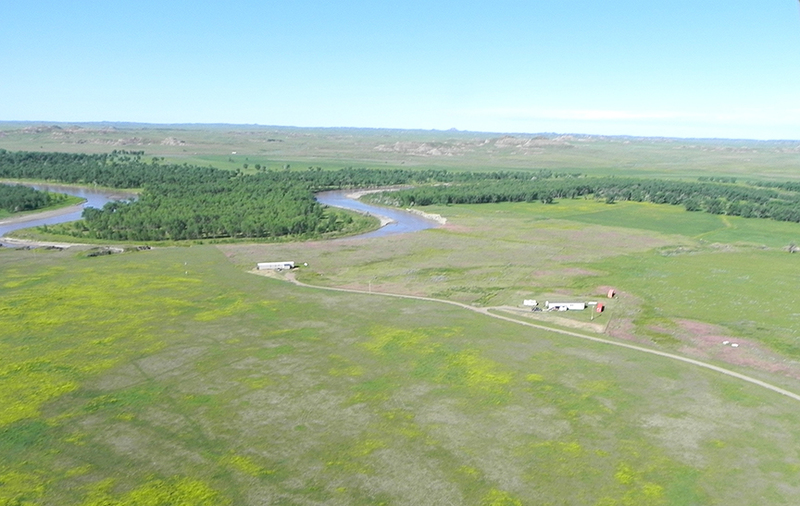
<point>232,146</point>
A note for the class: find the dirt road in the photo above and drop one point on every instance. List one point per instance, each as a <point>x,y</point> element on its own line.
<point>488,312</point>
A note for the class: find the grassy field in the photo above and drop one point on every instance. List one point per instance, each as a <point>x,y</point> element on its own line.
<point>232,146</point>
<point>172,377</point>
<point>681,275</point>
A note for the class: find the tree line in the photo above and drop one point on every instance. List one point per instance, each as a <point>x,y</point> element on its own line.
<point>791,186</point>
<point>118,169</point>
<point>711,197</point>
<point>17,198</point>
<point>182,201</point>
<point>131,169</point>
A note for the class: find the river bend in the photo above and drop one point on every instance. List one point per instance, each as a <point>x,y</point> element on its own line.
<point>399,221</point>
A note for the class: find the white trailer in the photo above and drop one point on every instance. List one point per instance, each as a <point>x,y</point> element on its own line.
<point>275,266</point>
<point>566,306</point>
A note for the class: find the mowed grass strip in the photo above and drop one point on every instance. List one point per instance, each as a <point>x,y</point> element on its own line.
<point>223,387</point>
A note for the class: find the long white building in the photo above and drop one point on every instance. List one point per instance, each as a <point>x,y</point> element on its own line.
<point>565,306</point>
<point>275,266</point>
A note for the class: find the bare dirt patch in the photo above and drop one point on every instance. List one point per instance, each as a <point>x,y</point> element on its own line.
<point>597,328</point>
<point>621,324</point>
<point>708,342</point>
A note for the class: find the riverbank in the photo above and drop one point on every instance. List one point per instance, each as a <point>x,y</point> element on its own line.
<point>11,242</point>
<point>392,220</point>
<point>81,197</point>
<point>125,193</point>
<point>438,218</point>
<point>38,215</point>
<point>355,195</point>
<point>398,221</point>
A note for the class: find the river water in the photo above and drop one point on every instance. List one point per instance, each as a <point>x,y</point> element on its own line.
<point>402,221</point>
<point>94,198</point>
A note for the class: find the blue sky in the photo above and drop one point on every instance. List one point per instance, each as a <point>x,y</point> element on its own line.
<point>679,68</point>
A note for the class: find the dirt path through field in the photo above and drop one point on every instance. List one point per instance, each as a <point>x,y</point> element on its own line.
<point>488,312</point>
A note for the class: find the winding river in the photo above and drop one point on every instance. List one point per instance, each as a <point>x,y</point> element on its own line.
<point>93,198</point>
<point>399,222</point>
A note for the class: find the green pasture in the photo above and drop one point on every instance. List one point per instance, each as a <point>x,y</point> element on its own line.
<point>171,376</point>
<point>663,219</point>
<point>752,293</point>
<point>675,220</point>
<point>488,255</point>
<point>675,265</point>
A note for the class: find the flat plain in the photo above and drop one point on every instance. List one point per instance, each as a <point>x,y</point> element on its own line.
<point>233,146</point>
<point>172,373</point>
<point>175,376</point>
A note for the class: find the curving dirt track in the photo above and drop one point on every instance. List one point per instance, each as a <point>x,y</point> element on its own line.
<point>488,312</point>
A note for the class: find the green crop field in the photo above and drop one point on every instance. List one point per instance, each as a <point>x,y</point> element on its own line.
<point>171,376</point>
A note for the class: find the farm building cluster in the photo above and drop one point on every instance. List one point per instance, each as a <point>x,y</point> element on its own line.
<point>568,306</point>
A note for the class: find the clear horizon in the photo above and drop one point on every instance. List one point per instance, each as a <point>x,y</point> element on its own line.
<point>134,124</point>
<point>716,70</point>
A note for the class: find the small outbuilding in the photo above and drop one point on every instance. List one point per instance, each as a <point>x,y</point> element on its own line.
<point>611,293</point>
